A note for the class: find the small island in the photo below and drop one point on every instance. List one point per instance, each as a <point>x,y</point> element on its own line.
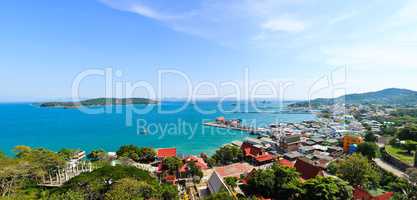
<point>99,102</point>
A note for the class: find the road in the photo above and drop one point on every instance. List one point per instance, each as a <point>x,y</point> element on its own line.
<point>390,168</point>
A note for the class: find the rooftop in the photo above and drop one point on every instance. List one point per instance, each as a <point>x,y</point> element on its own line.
<point>166,152</point>
<point>235,169</point>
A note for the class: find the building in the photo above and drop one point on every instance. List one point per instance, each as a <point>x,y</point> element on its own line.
<point>166,152</point>
<point>349,140</point>
<point>290,142</point>
<point>199,163</point>
<point>286,163</point>
<point>256,154</point>
<point>216,181</point>
<point>307,168</point>
<point>293,155</point>
<point>378,194</point>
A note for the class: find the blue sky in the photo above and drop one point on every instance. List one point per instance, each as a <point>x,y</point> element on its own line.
<point>45,44</point>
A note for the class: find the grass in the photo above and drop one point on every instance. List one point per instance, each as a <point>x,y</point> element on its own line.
<point>400,154</point>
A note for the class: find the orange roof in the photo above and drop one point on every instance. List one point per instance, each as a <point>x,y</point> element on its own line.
<point>234,169</point>
<point>167,152</point>
<point>285,162</point>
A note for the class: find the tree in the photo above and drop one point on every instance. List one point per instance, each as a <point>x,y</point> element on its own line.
<point>326,188</point>
<point>287,182</point>
<point>42,161</point>
<point>231,181</point>
<point>412,174</point>
<point>13,175</point>
<point>172,164</point>
<point>370,137</point>
<point>137,154</point>
<point>129,188</point>
<point>408,133</point>
<point>262,182</point>
<point>410,146</point>
<point>193,170</point>
<point>388,130</point>
<point>368,149</point>
<point>146,154</point>
<point>228,154</point>
<point>220,196</point>
<point>68,195</point>
<point>96,183</point>
<point>169,192</point>
<point>97,155</point>
<point>357,170</point>
<point>279,182</point>
<point>21,149</point>
<point>67,154</point>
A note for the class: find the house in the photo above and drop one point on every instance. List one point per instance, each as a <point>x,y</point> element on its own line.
<point>166,152</point>
<point>293,155</point>
<point>286,163</point>
<point>199,162</point>
<point>256,154</point>
<point>306,149</point>
<point>290,142</point>
<point>307,168</point>
<point>360,193</point>
<point>216,181</point>
<point>221,120</point>
<point>349,140</point>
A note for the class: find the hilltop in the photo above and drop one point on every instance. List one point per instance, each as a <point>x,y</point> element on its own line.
<point>99,102</point>
<point>390,96</point>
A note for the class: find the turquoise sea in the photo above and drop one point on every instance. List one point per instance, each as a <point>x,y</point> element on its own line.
<point>56,128</point>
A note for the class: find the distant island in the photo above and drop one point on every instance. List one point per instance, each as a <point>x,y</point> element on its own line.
<point>98,102</point>
<point>390,96</point>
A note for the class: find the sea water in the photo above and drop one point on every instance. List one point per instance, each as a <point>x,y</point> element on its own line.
<point>168,124</point>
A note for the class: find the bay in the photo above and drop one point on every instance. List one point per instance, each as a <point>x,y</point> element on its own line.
<point>56,128</point>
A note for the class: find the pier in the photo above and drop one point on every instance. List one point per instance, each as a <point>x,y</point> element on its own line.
<point>250,130</point>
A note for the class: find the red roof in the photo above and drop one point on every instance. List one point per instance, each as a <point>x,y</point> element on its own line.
<point>264,157</point>
<point>170,179</point>
<point>254,152</point>
<point>285,162</point>
<point>307,169</point>
<point>360,193</point>
<point>167,152</point>
<point>250,150</point>
<point>199,162</point>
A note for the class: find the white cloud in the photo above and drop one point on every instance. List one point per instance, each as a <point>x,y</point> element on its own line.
<point>147,12</point>
<point>283,24</point>
<point>229,23</point>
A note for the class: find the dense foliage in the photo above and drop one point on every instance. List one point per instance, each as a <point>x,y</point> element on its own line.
<point>109,182</point>
<point>281,182</point>
<point>368,149</point>
<point>138,154</point>
<point>357,170</point>
<point>227,154</point>
<point>326,188</point>
<point>96,155</point>
<point>172,164</point>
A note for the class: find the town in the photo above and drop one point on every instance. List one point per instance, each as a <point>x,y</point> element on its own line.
<point>327,150</point>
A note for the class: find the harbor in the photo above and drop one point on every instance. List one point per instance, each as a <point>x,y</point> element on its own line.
<point>235,124</point>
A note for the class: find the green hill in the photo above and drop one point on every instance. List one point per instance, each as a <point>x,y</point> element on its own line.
<point>391,96</point>
<point>99,102</point>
